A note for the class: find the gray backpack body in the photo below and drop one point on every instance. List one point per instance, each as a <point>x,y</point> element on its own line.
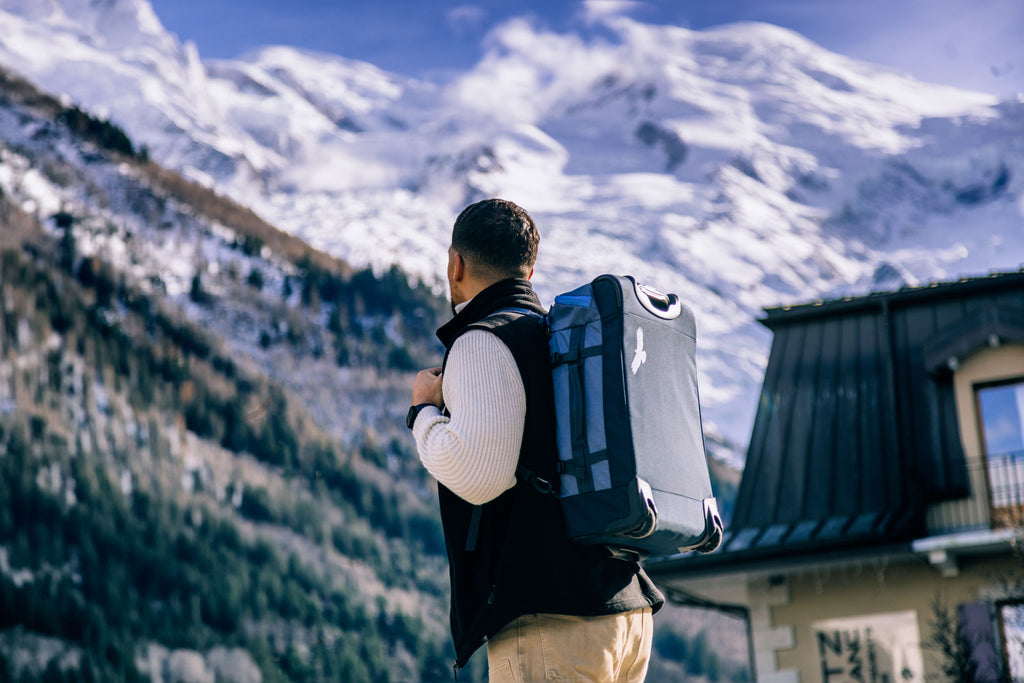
<point>633,472</point>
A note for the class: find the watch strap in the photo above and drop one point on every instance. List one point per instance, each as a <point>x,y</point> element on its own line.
<point>414,411</point>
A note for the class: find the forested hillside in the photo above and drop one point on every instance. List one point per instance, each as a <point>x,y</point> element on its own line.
<point>156,495</point>
<point>164,503</point>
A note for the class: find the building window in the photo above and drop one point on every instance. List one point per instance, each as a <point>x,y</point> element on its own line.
<point>1001,417</point>
<point>1011,621</point>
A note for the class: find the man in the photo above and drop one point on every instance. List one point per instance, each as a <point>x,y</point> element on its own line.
<point>547,608</point>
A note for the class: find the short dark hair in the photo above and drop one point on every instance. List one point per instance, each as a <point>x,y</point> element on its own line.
<point>498,236</point>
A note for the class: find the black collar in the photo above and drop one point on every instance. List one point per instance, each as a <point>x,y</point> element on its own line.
<point>510,293</point>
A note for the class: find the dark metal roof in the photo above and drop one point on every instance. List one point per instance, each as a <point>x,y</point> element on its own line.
<point>856,429</point>
<point>965,286</point>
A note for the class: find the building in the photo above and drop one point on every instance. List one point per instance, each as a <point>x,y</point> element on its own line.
<point>883,489</point>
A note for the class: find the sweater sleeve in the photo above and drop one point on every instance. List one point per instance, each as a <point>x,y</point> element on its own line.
<point>474,452</point>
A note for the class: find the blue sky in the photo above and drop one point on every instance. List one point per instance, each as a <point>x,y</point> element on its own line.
<point>977,44</point>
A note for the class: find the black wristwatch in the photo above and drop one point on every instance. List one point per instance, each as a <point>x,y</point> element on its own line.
<point>410,417</point>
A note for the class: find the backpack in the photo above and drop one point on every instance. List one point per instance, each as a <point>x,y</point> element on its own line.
<point>633,473</point>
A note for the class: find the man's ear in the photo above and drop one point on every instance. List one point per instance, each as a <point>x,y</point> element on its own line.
<point>458,267</point>
<point>529,276</point>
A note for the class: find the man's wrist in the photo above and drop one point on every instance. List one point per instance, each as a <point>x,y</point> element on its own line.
<point>414,411</point>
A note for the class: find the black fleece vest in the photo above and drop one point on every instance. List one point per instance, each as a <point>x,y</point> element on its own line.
<point>512,556</point>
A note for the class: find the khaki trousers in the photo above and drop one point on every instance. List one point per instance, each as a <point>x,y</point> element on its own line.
<point>553,647</point>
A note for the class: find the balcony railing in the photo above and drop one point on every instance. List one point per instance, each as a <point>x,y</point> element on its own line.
<point>996,500</point>
<point>1006,478</point>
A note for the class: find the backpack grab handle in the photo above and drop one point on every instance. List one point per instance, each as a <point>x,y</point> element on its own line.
<point>665,306</point>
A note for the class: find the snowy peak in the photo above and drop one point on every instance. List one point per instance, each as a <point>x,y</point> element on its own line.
<point>295,102</point>
<point>750,94</point>
<point>746,62</point>
<point>111,56</point>
<point>109,24</point>
<point>354,94</point>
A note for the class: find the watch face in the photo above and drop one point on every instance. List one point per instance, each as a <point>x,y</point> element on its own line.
<point>410,417</point>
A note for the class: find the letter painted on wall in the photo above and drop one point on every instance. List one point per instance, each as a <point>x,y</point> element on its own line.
<point>873,648</point>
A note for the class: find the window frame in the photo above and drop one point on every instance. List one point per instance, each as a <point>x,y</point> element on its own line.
<point>978,387</point>
<point>995,513</point>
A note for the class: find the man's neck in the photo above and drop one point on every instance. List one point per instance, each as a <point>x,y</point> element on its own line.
<point>471,286</point>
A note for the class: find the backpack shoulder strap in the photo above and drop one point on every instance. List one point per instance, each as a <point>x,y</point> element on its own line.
<point>504,315</point>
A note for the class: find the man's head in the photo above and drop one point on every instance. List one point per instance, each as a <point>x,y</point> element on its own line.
<point>492,240</point>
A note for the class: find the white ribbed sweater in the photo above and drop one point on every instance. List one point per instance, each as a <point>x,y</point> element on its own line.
<point>475,451</point>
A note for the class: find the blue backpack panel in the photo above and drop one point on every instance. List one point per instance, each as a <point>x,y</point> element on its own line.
<point>632,465</point>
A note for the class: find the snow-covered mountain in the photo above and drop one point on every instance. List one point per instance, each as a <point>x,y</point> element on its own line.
<point>741,167</point>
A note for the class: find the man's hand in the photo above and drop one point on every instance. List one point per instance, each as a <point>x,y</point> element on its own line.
<point>427,388</point>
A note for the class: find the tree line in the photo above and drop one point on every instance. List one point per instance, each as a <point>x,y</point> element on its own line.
<point>139,567</point>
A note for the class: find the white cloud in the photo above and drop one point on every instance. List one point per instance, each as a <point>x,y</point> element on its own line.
<point>465,19</point>
<point>599,10</point>
<point>534,68</point>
